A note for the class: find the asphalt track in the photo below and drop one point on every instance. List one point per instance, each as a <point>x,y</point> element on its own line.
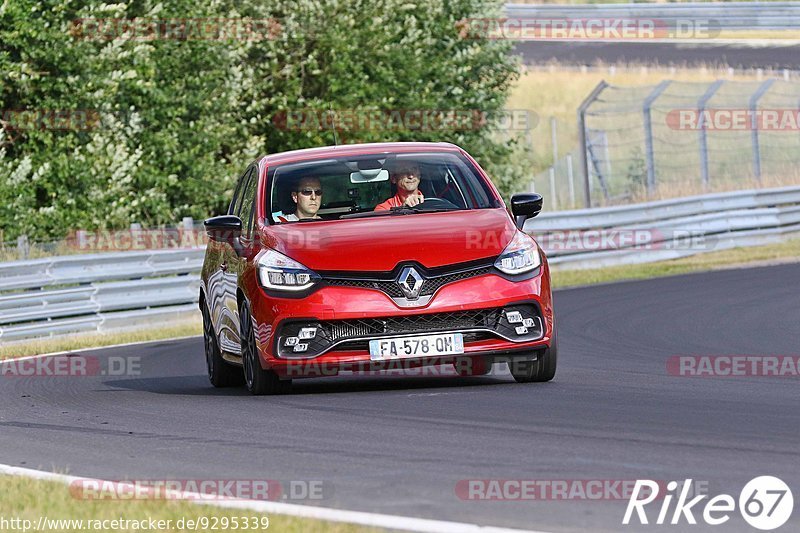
<point>400,445</point>
<point>667,54</point>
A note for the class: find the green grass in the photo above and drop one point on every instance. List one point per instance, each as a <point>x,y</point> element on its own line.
<point>87,340</point>
<point>785,252</point>
<point>30,499</point>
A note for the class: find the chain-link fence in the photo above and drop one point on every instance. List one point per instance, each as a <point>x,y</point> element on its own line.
<point>678,139</point>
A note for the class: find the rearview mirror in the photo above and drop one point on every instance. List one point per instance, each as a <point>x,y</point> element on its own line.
<point>225,228</point>
<point>370,175</point>
<point>525,206</point>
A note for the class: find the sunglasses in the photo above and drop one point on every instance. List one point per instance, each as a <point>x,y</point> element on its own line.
<point>308,192</point>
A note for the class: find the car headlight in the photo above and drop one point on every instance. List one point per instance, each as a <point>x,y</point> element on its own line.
<point>281,273</point>
<point>520,256</point>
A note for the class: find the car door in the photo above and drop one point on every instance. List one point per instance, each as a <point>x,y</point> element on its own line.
<point>234,261</point>
<point>226,309</point>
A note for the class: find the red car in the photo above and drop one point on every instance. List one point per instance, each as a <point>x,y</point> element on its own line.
<point>368,257</point>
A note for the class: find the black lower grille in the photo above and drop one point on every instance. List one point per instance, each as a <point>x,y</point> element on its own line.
<point>336,333</point>
<point>398,325</point>
<point>364,344</point>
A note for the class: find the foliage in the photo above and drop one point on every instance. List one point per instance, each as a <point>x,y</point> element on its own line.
<point>180,118</point>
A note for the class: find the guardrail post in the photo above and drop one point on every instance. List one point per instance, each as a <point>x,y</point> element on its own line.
<point>701,107</point>
<point>23,247</point>
<point>188,223</point>
<point>648,135</point>
<point>571,179</point>
<point>553,196</point>
<point>587,194</point>
<point>763,88</point>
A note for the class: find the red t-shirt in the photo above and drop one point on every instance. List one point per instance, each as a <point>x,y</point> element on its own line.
<point>395,201</point>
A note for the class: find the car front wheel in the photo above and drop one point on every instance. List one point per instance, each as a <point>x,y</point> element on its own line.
<point>540,370</point>
<point>259,381</point>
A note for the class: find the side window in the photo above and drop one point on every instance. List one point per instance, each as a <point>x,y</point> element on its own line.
<point>236,202</point>
<point>248,203</point>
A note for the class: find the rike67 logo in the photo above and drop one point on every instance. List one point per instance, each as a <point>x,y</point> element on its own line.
<point>766,503</point>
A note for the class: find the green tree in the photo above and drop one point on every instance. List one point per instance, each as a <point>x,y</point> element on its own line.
<point>181,118</point>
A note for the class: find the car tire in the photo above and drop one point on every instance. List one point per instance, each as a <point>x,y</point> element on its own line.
<point>258,381</point>
<point>473,366</point>
<point>541,370</point>
<point>220,373</point>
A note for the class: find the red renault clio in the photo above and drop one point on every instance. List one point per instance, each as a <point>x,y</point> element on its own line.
<point>370,257</point>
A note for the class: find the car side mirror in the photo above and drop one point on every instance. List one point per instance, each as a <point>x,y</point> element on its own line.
<point>224,228</point>
<point>524,206</point>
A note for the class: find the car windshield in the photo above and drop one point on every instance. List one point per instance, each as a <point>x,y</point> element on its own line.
<point>382,184</point>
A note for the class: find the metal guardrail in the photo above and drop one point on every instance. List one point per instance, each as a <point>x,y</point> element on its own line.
<point>99,292</point>
<point>668,229</point>
<point>729,16</point>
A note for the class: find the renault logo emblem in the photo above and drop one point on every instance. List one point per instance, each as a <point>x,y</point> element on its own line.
<point>410,281</point>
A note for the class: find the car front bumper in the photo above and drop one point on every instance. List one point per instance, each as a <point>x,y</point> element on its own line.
<point>346,305</point>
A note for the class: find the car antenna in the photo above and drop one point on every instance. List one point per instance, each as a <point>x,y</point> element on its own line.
<point>333,125</point>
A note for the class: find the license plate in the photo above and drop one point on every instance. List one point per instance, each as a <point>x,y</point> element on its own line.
<point>418,346</point>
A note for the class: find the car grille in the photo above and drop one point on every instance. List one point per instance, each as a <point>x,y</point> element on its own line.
<point>390,287</point>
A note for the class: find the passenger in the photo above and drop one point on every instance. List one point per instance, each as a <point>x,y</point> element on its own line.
<point>308,198</point>
<point>406,177</point>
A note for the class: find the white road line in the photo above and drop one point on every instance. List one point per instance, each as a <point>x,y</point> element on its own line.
<point>421,525</point>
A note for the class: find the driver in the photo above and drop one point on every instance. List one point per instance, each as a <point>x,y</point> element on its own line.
<point>406,177</point>
<point>308,197</point>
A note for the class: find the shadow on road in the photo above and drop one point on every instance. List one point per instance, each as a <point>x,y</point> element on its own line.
<point>198,385</point>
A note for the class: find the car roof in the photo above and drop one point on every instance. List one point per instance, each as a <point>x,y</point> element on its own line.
<point>294,156</point>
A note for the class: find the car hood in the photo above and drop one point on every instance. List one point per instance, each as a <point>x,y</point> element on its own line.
<point>380,243</point>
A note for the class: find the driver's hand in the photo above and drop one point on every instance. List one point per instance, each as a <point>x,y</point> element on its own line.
<point>414,199</point>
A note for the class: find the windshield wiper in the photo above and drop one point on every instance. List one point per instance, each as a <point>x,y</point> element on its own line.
<point>366,214</point>
<point>401,210</point>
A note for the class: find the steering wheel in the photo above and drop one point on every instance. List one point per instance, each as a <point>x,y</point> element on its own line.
<point>437,203</point>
